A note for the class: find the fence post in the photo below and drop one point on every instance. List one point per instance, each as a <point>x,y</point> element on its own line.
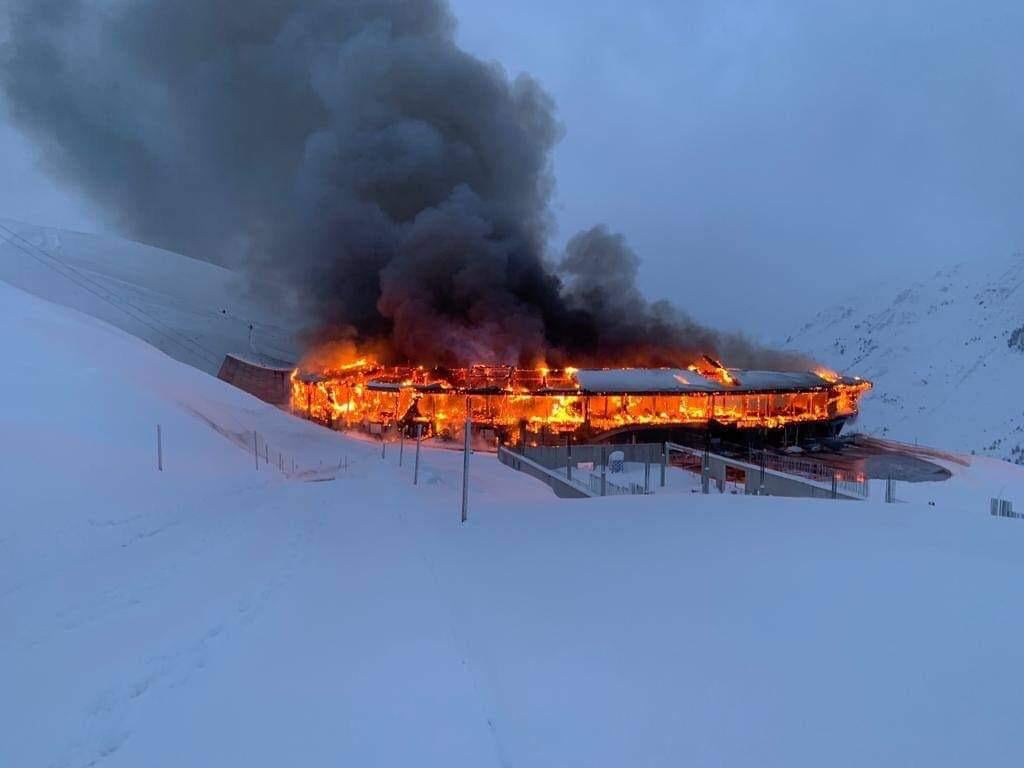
<point>647,471</point>
<point>159,449</point>
<point>416,466</point>
<point>835,485</point>
<point>266,453</point>
<point>604,468</point>
<point>256,448</point>
<point>383,444</point>
<point>401,446</point>
<point>568,458</point>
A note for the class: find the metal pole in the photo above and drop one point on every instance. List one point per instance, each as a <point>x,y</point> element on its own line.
<point>256,449</point>
<point>568,458</point>
<point>401,445</point>
<point>664,462</point>
<point>159,449</point>
<point>416,466</point>
<point>266,454</point>
<point>604,462</point>
<point>465,465</point>
<point>383,443</point>
<point>647,472</point>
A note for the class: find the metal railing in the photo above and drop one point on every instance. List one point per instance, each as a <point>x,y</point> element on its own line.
<point>582,465</point>
<point>588,467</point>
<point>853,483</point>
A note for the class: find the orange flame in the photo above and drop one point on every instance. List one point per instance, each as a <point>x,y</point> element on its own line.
<point>353,390</point>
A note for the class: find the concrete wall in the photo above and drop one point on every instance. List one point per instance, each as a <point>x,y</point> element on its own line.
<point>270,381</point>
<point>547,464</point>
<point>562,487</point>
<point>775,483</point>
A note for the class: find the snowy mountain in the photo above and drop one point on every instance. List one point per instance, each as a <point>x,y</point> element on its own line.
<point>194,311</point>
<point>946,355</point>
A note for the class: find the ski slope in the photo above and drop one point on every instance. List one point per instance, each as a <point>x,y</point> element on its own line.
<point>946,355</point>
<point>194,311</point>
<point>213,614</point>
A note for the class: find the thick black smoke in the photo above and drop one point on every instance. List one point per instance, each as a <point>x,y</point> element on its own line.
<point>351,152</point>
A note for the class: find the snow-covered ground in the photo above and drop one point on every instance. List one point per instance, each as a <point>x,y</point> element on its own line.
<point>194,311</point>
<point>946,355</point>
<point>214,615</point>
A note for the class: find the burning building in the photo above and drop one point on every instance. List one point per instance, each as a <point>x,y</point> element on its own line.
<point>405,205</point>
<point>509,404</point>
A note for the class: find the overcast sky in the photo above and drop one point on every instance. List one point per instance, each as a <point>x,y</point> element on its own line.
<point>758,155</point>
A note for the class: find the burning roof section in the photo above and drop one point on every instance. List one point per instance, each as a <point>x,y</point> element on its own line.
<point>567,400</point>
<point>496,380</point>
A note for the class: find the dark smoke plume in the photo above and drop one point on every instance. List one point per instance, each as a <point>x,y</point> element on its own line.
<point>349,151</point>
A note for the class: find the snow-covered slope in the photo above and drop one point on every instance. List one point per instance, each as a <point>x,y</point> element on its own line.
<point>946,355</point>
<point>192,310</point>
<point>214,615</point>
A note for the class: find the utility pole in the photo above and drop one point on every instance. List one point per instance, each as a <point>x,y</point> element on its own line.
<point>416,466</point>
<point>465,462</point>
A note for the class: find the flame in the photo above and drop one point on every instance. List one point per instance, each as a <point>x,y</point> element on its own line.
<point>712,369</point>
<point>357,391</point>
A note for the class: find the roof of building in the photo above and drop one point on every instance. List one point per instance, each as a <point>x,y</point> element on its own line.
<point>683,381</point>
<point>636,381</point>
<point>257,360</point>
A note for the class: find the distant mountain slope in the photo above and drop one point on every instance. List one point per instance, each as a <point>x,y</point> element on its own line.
<point>192,310</point>
<point>946,355</point>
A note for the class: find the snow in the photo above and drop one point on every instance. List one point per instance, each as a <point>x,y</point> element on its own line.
<point>263,361</point>
<point>194,311</point>
<point>942,353</point>
<point>216,615</point>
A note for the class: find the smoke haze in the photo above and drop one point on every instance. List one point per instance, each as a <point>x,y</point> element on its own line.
<point>352,154</point>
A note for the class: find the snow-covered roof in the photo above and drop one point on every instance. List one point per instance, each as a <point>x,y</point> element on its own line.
<point>262,361</point>
<point>681,380</point>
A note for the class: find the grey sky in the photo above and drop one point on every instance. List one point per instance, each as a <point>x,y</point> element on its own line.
<point>750,152</point>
